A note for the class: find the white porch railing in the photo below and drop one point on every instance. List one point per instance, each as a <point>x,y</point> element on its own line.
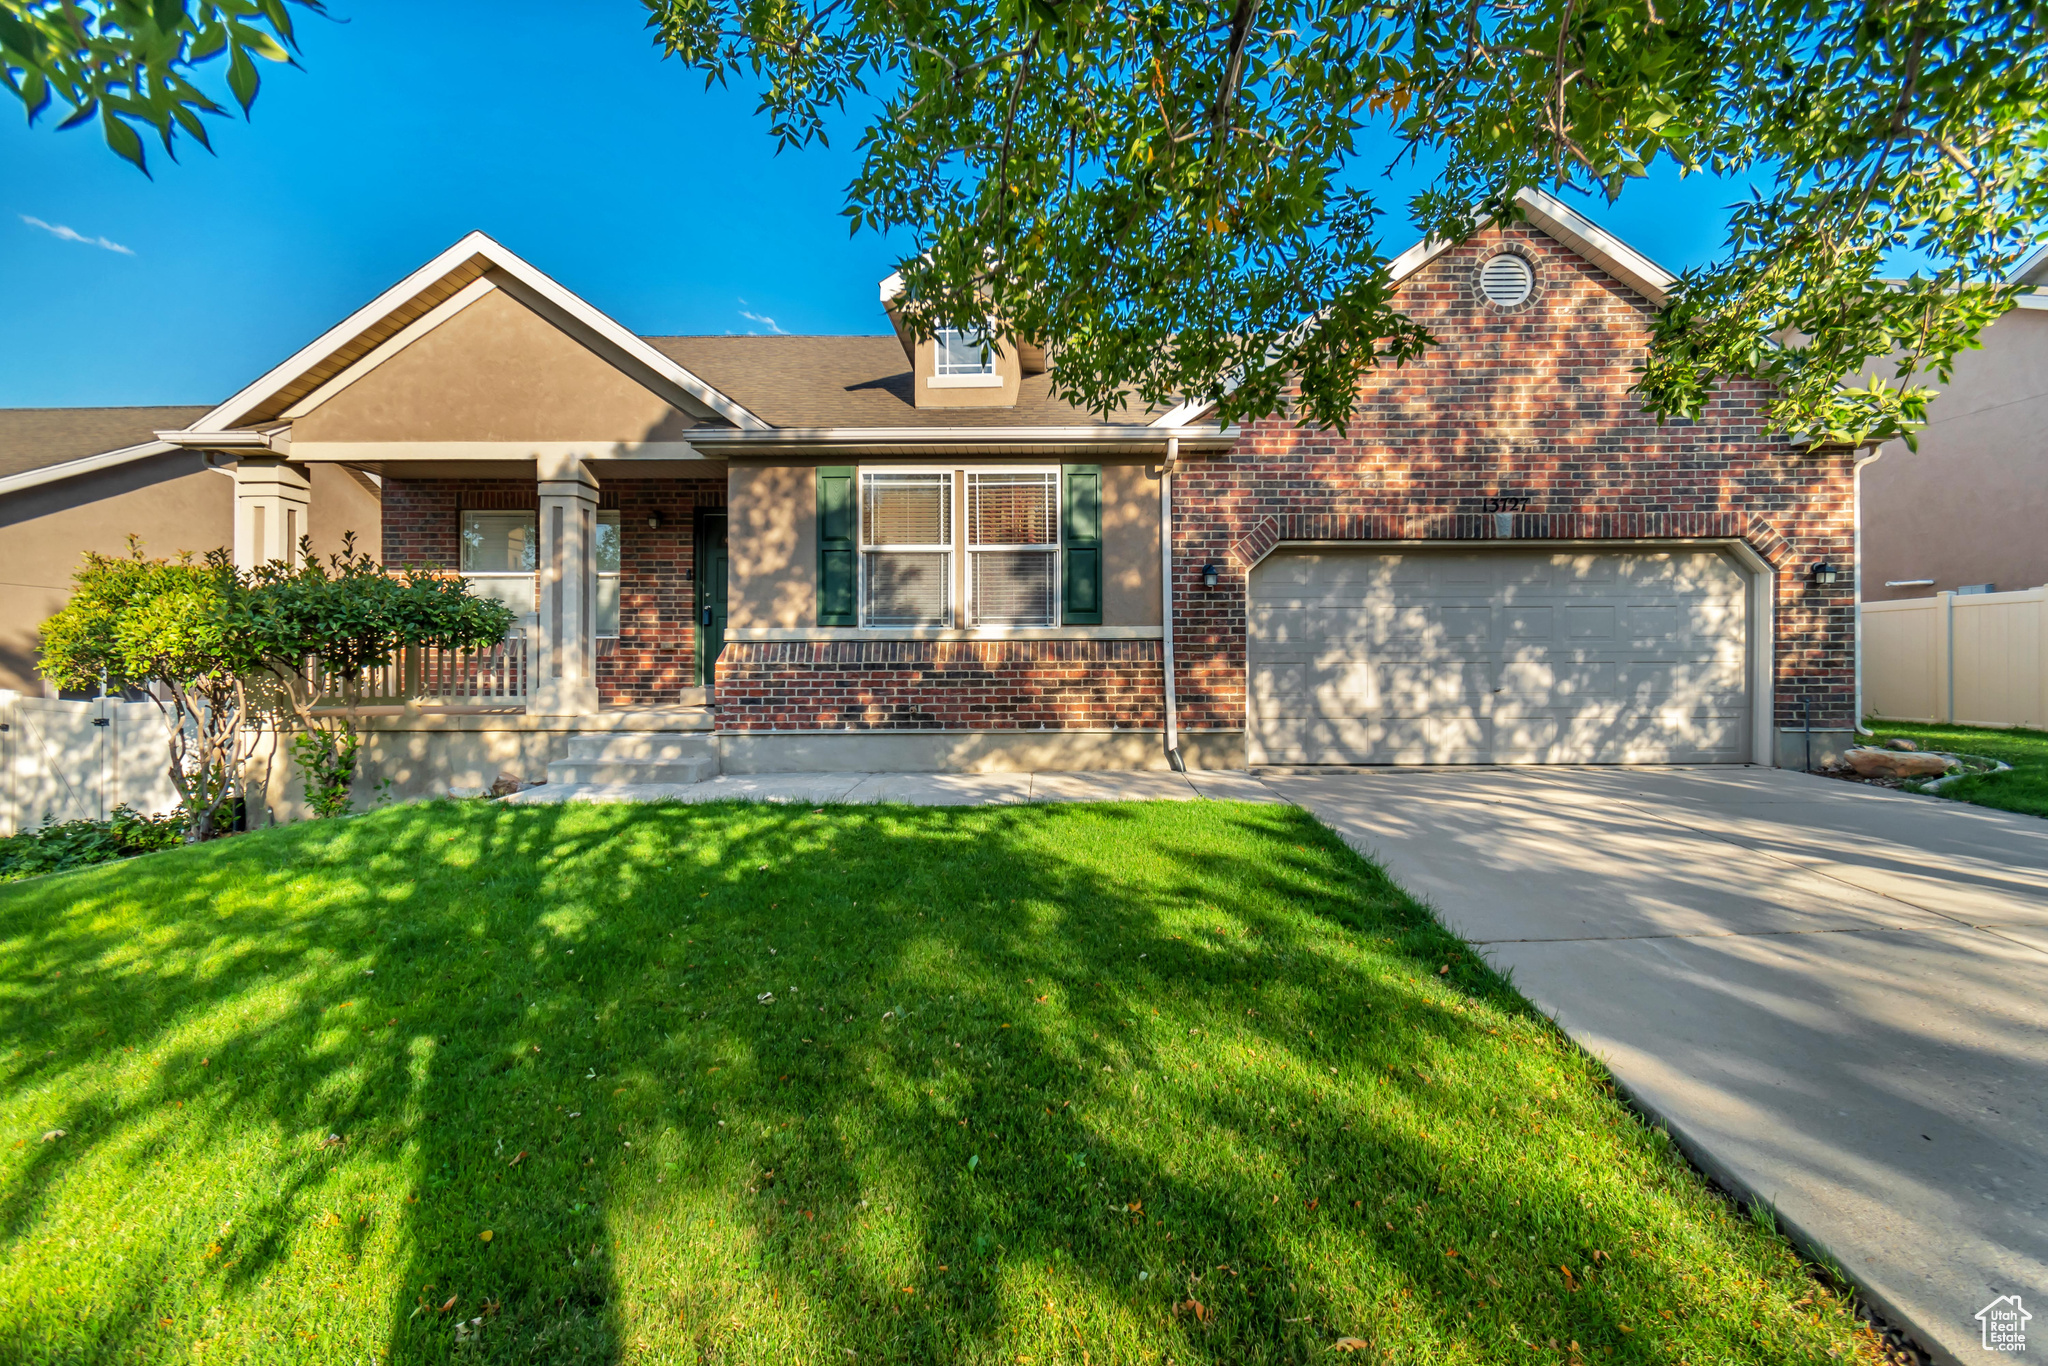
<point>497,677</point>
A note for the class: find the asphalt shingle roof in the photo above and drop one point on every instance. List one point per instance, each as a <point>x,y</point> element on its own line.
<point>32,438</point>
<point>852,382</point>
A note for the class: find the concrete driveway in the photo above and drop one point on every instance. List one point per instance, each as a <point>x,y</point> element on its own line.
<point>1836,996</point>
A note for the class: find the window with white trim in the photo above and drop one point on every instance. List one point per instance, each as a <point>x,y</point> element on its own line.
<point>964,353</point>
<point>1013,547</point>
<point>605,554</point>
<point>906,543</point>
<point>500,552</point>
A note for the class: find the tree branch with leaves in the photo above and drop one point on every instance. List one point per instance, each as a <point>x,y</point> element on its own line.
<point>135,63</point>
<point>1180,199</point>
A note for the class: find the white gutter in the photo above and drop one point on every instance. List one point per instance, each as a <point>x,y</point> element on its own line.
<point>1856,570</point>
<point>1166,600</point>
<point>275,439</point>
<point>1147,436</point>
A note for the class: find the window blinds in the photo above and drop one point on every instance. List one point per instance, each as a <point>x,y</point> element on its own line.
<point>906,543</point>
<point>1013,544</point>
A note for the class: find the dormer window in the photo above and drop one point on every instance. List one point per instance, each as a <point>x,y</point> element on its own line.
<point>963,353</point>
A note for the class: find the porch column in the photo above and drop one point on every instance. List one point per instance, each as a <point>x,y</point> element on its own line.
<point>565,673</point>
<point>272,501</point>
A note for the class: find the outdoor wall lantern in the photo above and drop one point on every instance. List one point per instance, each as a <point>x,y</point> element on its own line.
<point>654,521</point>
<point>1209,575</point>
<point>1823,575</point>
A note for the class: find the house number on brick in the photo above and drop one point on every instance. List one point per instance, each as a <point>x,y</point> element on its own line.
<point>1508,502</point>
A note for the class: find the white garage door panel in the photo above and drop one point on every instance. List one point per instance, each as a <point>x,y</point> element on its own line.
<point>1498,657</point>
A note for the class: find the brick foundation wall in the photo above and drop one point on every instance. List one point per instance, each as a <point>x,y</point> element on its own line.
<point>1530,402</point>
<point>880,685</point>
<point>654,656</point>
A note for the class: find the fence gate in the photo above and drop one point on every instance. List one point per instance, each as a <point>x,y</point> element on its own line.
<point>78,760</point>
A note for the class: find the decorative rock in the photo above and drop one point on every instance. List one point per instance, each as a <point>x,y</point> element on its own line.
<point>1880,763</point>
<point>507,784</point>
<point>1902,743</point>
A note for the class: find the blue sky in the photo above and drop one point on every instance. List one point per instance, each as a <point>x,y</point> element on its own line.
<point>555,128</point>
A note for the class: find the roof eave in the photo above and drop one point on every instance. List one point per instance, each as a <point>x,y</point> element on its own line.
<point>1598,245</point>
<point>89,464</point>
<point>909,439</point>
<point>275,440</point>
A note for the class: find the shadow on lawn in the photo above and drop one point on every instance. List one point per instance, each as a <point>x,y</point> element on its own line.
<point>545,1002</point>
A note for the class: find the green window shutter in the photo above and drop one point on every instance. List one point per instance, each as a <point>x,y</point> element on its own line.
<point>1081,545</point>
<point>838,547</point>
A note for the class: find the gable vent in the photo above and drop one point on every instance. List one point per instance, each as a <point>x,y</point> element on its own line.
<point>1506,280</point>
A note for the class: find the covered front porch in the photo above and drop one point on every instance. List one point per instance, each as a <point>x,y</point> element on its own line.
<point>616,577</point>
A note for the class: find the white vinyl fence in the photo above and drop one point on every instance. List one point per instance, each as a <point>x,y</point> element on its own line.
<point>1972,659</point>
<point>79,760</point>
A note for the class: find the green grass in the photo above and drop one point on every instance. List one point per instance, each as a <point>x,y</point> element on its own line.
<point>1032,1082</point>
<point>2024,790</point>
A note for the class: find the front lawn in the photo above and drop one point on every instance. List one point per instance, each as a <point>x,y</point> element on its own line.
<point>1052,1084</point>
<point>2024,790</point>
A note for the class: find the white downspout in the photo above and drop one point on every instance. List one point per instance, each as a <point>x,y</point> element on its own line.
<point>1856,569</point>
<point>1166,600</point>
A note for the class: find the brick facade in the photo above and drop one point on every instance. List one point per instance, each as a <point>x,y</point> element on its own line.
<point>654,657</point>
<point>878,685</point>
<point>1530,402</point>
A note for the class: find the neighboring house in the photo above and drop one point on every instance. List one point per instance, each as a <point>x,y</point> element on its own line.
<point>1969,506</point>
<point>859,553</point>
<point>80,479</point>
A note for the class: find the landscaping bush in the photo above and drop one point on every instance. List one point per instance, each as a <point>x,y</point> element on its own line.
<point>55,846</point>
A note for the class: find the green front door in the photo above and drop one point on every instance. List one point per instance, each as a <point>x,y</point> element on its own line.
<point>710,593</point>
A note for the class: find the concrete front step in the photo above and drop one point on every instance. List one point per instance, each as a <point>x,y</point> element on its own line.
<point>638,756</point>
<point>643,746</point>
<point>690,770</point>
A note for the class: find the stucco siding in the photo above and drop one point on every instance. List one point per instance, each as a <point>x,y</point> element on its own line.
<point>1009,369</point>
<point>171,501</point>
<point>496,371</point>
<point>1969,506</point>
<point>771,534</point>
<point>1130,546</point>
<point>341,504</point>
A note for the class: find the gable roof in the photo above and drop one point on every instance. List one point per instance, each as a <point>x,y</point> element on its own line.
<point>817,382</point>
<point>1561,221</point>
<point>431,294</point>
<point>1546,212</point>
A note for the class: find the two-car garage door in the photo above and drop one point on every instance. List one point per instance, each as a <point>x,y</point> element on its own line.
<point>1476,657</point>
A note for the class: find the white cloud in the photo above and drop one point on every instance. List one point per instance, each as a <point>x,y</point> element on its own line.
<point>73,235</point>
<point>774,329</point>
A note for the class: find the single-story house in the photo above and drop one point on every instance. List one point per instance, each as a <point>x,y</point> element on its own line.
<point>74,480</point>
<point>1966,510</point>
<point>872,553</point>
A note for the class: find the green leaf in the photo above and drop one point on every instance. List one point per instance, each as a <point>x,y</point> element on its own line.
<point>124,140</point>
<point>242,79</point>
<point>209,43</point>
<point>18,40</point>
